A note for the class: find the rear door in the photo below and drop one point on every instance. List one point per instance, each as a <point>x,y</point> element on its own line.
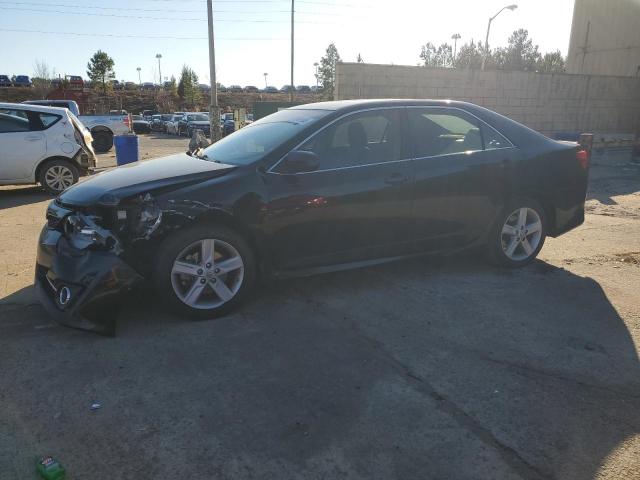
<point>461,168</point>
<point>22,143</point>
<point>356,205</point>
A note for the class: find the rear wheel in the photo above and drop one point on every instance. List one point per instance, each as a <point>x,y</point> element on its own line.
<point>205,271</point>
<point>57,175</point>
<point>519,234</point>
<point>102,141</point>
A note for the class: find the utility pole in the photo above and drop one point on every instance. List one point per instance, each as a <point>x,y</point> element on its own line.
<point>292,87</point>
<point>455,37</point>
<point>214,111</point>
<point>158,56</point>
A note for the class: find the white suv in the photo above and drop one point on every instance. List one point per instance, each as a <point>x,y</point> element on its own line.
<point>45,145</point>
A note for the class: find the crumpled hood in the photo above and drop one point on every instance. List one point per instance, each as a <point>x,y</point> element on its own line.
<point>113,185</point>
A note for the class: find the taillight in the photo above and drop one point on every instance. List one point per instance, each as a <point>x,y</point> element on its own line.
<point>582,156</point>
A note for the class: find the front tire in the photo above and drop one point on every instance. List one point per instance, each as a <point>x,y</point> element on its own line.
<point>55,176</point>
<point>205,271</point>
<point>518,235</point>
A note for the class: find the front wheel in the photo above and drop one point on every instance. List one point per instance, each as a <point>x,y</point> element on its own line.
<point>205,271</point>
<point>518,235</point>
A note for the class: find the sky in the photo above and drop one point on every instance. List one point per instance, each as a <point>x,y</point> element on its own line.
<point>253,36</point>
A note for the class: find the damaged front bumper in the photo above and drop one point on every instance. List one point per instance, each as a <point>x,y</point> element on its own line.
<point>81,287</point>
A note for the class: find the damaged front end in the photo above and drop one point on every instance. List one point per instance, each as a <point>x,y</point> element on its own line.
<point>81,270</point>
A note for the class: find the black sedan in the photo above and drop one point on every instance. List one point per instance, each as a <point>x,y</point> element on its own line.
<point>140,125</point>
<point>308,189</point>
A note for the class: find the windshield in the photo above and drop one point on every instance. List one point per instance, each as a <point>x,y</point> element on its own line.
<point>253,142</point>
<point>197,118</point>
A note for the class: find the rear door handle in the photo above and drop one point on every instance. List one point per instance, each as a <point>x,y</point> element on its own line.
<point>395,179</point>
<point>32,138</point>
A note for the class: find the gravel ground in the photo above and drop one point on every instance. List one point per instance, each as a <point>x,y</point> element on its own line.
<point>433,368</point>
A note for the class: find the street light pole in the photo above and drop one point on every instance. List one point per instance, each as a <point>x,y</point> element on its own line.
<point>158,56</point>
<point>139,79</point>
<point>455,37</point>
<point>214,111</point>
<point>291,89</point>
<point>486,40</point>
<point>265,79</point>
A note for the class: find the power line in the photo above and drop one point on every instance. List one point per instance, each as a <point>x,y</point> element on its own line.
<point>154,10</point>
<point>144,17</point>
<point>146,37</point>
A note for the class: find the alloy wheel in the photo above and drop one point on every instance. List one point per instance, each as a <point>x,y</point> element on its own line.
<point>521,234</point>
<point>207,274</point>
<point>59,177</point>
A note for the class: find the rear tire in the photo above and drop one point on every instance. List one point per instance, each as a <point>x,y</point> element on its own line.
<point>55,176</point>
<point>205,271</point>
<point>102,141</point>
<point>518,234</point>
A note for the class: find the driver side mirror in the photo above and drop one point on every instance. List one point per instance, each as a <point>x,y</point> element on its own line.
<point>298,161</point>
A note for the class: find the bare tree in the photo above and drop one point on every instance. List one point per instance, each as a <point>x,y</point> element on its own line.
<point>41,79</point>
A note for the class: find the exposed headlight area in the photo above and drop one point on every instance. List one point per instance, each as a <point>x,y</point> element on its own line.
<point>83,232</point>
<point>143,215</point>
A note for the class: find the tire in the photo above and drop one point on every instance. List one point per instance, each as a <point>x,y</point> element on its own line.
<point>192,286</point>
<point>102,141</point>
<point>512,242</point>
<point>55,176</point>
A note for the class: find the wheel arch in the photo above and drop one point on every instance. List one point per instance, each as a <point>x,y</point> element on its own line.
<point>221,217</point>
<point>547,204</point>
<point>44,161</point>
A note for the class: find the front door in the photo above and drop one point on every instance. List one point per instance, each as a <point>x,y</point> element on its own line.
<point>21,145</point>
<point>356,205</point>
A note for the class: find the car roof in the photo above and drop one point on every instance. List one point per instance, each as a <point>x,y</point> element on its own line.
<point>34,108</point>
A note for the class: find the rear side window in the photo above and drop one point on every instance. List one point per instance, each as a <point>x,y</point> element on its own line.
<point>47,119</point>
<point>13,120</point>
<point>444,131</point>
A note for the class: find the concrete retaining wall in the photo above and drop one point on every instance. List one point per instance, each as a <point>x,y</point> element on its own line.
<point>549,103</point>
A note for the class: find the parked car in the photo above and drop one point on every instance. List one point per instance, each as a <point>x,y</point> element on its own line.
<point>130,85</point>
<point>167,85</point>
<point>204,87</point>
<point>172,125</point>
<point>221,88</point>
<point>45,145</point>
<point>316,89</point>
<point>147,114</point>
<point>234,89</point>
<point>5,81</point>
<point>76,82</point>
<point>192,121</point>
<point>140,124</point>
<point>148,86</point>
<point>303,89</point>
<point>270,89</point>
<point>22,81</point>
<point>310,188</point>
<point>166,118</point>
<point>251,89</point>
<point>102,127</point>
<point>287,89</point>
<point>157,125</point>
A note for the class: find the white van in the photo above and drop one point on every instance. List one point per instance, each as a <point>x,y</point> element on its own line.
<point>46,145</point>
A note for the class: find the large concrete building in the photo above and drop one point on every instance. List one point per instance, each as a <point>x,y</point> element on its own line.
<point>605,38</point>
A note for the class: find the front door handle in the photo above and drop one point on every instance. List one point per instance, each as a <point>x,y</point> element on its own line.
<point>396,179</point>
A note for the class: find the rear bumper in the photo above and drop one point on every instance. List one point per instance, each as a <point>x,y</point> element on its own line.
<point>85,159</point>
<point>81,288</point>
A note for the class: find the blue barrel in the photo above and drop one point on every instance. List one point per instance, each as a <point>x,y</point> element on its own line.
<point>126,149</point>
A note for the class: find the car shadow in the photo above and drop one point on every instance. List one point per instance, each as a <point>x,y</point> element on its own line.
<point>534,365</point>
<point>18,196</point>
<point>608,180</point>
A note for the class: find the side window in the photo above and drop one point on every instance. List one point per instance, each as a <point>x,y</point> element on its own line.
<point>13,120</point>
<point>359,139</point>
<point>442,131</point>
<point>492,139</point>
<point>47,119</point>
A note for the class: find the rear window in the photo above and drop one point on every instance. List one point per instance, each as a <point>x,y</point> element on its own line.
<point>48,119</point>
